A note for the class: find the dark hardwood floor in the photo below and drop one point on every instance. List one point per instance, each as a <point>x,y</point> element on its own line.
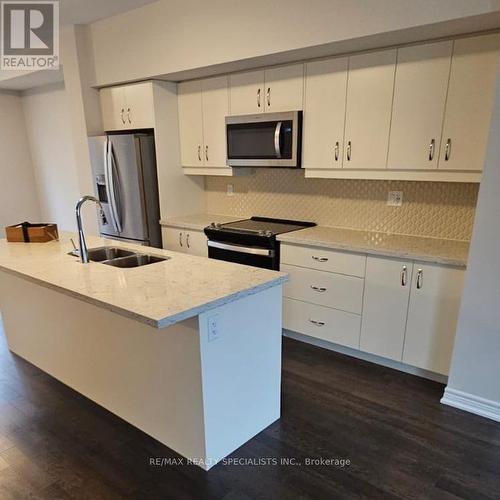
<point>401,443</point>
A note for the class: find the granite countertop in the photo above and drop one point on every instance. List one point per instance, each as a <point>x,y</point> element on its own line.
<point>449,252</point>
<point>197,222</point>
<point>159,294</point>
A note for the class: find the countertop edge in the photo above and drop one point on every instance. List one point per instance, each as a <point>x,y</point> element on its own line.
<point>153,322</point>
<point>433,259</point>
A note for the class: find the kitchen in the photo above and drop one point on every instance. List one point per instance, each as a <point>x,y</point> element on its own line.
<point>351,180</point>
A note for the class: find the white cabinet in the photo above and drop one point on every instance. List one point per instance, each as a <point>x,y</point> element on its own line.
<point>324,113</point>
<point>385,305</point>
<point>410,311</point>
<point>185,241</point>
<point>127,107</point>
<point>432,316</point>
<point>284,87</point>
<point>422,74</point>
<point>368,113</point>
<point>247,92</point>
<point>203,107</point>
<point>470,102</point>
<point>191,123</point>
<point>275,89</point>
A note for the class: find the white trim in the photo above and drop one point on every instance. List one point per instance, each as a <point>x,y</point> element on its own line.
<point>365,356</point>
<point>471,403</point>
<point>219,171</point>
<point>398,175</point>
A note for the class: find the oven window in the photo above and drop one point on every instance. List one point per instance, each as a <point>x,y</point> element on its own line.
<point>257,140</point>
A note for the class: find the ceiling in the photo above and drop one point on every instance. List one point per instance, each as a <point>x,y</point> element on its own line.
<point>87,11</point>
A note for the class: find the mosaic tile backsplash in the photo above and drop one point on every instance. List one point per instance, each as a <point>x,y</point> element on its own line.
<point>433,209</point>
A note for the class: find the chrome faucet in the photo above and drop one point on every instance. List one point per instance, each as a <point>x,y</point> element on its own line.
<point>84,253</point>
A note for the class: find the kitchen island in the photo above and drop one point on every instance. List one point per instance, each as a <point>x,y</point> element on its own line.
<point>187,350</point>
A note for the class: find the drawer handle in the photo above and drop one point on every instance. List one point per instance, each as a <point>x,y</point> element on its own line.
<point>320,259</point>
<point>316,322</point>
<point>318,288</point>
<point>404,276</point>
<point>420,278</point>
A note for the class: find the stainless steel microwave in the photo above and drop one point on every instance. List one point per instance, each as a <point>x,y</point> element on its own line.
<point>264,140</point>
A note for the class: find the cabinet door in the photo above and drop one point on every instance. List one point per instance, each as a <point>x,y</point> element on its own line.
<point>215,109</point>
<point>196,243</point>
<point>247,92</point>
<point>422,73</point>
<point>368,114</point>
<point>385,306</point>
<point>113,108</point>
<point>191,123</point>
<point>324,113</point>
<point>139,112</point>
<point>174,239</point>
<point>432,316</point>
<point>284,88</point>
<point>469,104</point>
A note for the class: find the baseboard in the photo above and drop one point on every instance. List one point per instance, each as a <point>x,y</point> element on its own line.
<point>365,356</point>
<point>473,404</point>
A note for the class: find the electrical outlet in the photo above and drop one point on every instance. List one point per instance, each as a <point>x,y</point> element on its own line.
<point>395,198</point>
<point>213,328</point>
<point>230,190</point>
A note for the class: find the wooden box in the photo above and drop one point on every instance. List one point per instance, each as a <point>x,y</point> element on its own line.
<point>31,233</point>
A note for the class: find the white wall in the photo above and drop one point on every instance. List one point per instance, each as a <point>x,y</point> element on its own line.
<point>170,36</point>
<point>49,133</point>
<point>18,195</point>
<point>475,367</point>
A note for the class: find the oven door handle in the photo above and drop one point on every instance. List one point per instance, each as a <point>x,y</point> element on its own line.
<point>277,137</point>
<point>241,249</point>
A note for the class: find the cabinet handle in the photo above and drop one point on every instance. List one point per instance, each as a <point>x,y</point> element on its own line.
<point>206,153</point>
<point>258,98</point>
<point>404,276</point>
<point>337,146</point>
<point>180,239</point>
<point>320,259</point>
<point>128,115</point>
<point>320,289</point>
<point>420,279</point>
<point>316,322</point>
<point>187,240</point>
<point>268,96</point>
<point>431,149</point>
<point>349,151</point>
<point>121,114</point>
<point>199,153</point>
<point>447,150</point>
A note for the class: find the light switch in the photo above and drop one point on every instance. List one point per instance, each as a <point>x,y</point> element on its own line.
<point>213,328</point>
<point>395,198</point>
<point>230,190</point>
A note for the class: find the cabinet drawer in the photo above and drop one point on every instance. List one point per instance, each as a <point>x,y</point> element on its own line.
<point>322,322</point>
<point>324,259</point>
<point>325,289</point>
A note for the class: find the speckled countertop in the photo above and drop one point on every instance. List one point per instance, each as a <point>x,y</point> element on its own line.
<point>197,222</point>
<point>159,294</point>
<point>449,252</point>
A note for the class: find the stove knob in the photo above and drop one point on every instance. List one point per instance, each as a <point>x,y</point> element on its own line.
<point>215,225</point>
<point>262,232</point>
<point>269,233</point>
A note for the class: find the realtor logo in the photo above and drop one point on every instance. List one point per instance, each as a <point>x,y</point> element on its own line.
<point>29,35</point>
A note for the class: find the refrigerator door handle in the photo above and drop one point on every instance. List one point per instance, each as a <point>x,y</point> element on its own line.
<point>110,185</point>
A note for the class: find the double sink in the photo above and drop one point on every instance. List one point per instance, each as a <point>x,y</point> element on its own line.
<point>119,257</point>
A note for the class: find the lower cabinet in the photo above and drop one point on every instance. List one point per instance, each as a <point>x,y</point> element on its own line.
<point>398,309</point>
<point>185,241</point>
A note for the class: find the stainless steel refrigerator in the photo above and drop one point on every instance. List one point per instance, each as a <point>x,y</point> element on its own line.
<point>126,183</point>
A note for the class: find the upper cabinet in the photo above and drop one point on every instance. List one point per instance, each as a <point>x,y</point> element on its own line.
<point>203,107</point>
<point>469,104</point>
<point>127,107</point>
<point>271,90</point>
<point>422,74</point>
<point>324,111</point>
<point>368,113</point>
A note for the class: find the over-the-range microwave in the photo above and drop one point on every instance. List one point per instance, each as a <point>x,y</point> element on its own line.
<point>264,140</point>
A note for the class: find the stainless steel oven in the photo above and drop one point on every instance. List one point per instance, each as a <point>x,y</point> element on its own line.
<point>264,140</point>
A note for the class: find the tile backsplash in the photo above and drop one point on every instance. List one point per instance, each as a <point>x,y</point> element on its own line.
<point>434,209</point>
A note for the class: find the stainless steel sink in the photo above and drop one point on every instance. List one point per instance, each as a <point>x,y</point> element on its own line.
<point>108,253</point>
<point>135,260</point>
